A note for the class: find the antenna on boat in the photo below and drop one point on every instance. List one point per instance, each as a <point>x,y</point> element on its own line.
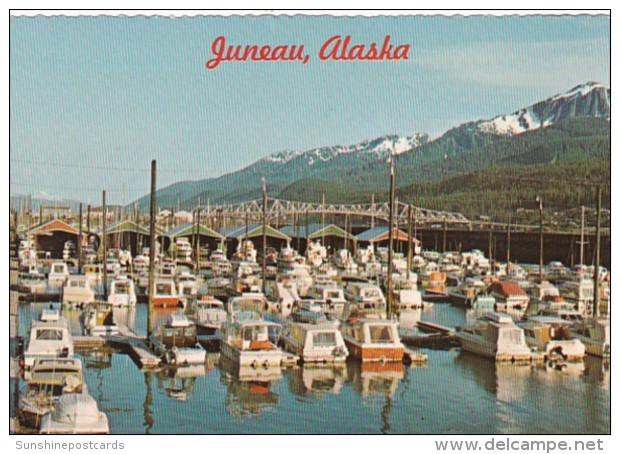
<point>264,270</point>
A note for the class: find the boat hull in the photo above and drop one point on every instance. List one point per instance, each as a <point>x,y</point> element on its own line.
<point>252,358</point>
<point>374,353</point>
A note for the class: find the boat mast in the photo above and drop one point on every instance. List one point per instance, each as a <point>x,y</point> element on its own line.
<point>264,270</point>
<point>597,251</point>
<point>104,246</point>
<point>151,287</point>
<point>391,240</point>
<point>581,242</point>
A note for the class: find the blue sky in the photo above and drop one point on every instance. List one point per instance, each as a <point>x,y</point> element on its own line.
<point>94,99</point>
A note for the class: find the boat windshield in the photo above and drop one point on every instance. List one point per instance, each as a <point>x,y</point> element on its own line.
<point>324,339</point>
<point>121,288</point>
<point>49,334</point>
<point>163,289</point>
<point>381,334</point>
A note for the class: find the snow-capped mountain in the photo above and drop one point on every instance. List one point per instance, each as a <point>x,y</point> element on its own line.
<point>467,147</point>
<point>378,148</point>
<point>587,100</point>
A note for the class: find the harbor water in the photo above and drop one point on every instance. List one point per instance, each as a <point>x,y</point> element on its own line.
<point>454,393</point>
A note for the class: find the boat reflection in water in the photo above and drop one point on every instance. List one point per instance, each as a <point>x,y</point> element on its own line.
<point>597,370</point>
<point>312,380</point>
<point>505,381</point>
<point>249,389</point>
<point>178,382</point>
<point>408,320</point>
<point>375,378</point>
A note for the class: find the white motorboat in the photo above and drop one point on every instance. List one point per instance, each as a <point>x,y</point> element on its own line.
<point>495,336</point>
<point>122,292</point>
<point>77,290</point>
<point>208,314</point>
<point>596,337</point>
<point>176,342</point>
<point>330,296</point>
<point>553,338</point>
<point>75,414</point>
<point>317,341</point>
<point>373,339</point>
<point>249,341</point>
<point>58,274</point>
<point>49,379</point>
<point>364,295</point>
<point>49,337</point>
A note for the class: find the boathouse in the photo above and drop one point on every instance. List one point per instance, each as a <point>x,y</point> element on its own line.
<point>254,232</point>
<point>207,237</point>
<point>51,236</point>
<point>127,235</point>
<point>330,235</point>
<point>380,237</point>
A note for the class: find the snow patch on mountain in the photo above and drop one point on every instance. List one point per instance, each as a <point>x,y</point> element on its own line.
<point>376,148</point>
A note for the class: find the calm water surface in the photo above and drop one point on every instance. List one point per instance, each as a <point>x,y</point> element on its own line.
<point>454,393</point>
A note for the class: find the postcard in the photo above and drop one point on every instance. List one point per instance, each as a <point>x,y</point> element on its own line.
<point>311,224</point>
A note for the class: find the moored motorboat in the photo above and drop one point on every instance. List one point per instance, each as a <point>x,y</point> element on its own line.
<point>75,414</point>
<point>176,342</point>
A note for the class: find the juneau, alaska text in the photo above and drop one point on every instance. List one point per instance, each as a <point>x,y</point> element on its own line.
<point>337,48</point>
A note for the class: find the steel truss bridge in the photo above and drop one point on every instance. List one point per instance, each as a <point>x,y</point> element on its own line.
<point>286,211</point>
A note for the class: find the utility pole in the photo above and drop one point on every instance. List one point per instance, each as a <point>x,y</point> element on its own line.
<point>264,273</point>
<point>508,238</point>
<point>409,241</point>
<point>79,245</point>
<point>541,239</point>
<point>151,288</point>
<point>597,251</point>
<point>390,294</point>
<point>104,247</point>
<point>581,240</point>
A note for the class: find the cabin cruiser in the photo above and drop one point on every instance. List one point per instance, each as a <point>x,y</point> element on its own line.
<point>76,414</point>
<point>98,320</point>
<point>365,295</point>
<point>94,274</point>
<point>246,252</point>
<point>219,263</point>
<point>314,339</point>
<point>58,274</point>
<point>300,275</point>
<point>562,310</point>
<point>509,294</point>
<point>49,379</point>
<point>248,302</point>
<point>283,296</point>
<point>122,292</point>
<point>556,271</point>
<point>187,285</point>
<point>286,258</point>
<point>77,291</point>
<point>176,342</point>
<point>553,338</point>
<point>165,294</point>
<point>596,337</point>
<point>495,336</point>
<point>183,250</point>
<point>372,338</point>
<point>249,341</point>
<point>317,253</point>
<point>407,300</point>
<point>49,337</point>
<point>342,259</point>
<point>113,266</point>
<point>33,280</point>
<point>465,294</point>
<point>580,293</point>
<point>330,296</point>
<point>208,314</point>
<point>246,278</point>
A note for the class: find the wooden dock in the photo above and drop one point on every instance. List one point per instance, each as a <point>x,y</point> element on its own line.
<point>432,336</point>
<point>136,346</point>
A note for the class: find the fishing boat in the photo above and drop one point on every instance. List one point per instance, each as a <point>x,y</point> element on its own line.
<point>77,290</point>
<point>75,414</point>
<point>98,319</point>
<point>552,337</point>
<point>596,337</point>
<point>249,341</point>
<point>49,337</point>
<point>208,314</point>
<point>49,379</point>
<point>122,292</point>
<point>165,294</point>
<point>310,336</point>
<point>495,336</point>
<point>176,342</point>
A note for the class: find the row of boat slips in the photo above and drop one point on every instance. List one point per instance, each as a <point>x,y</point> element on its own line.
<point>333,290</point>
